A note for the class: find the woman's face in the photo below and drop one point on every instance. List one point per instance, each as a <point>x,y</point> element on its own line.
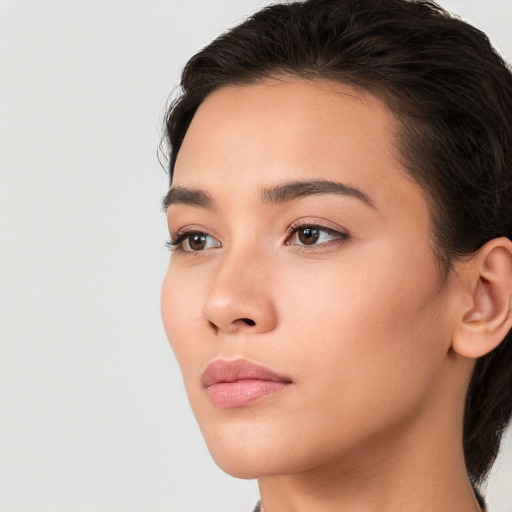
<point>302,246</point>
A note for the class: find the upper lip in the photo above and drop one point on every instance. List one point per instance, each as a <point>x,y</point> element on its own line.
<point>222,370</point>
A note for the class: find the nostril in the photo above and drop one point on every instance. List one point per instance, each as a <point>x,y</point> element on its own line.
<point>234,325</point>
<point>214,327</point>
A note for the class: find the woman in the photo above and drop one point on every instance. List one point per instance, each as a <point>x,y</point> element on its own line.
<point>339,291</point>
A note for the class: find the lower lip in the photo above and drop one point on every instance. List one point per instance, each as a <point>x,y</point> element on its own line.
<point>228,395</point>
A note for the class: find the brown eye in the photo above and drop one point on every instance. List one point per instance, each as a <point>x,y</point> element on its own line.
<point>311,235</point>
<point>197,241</point>
<point>193,241</point>
<point>308,235</point>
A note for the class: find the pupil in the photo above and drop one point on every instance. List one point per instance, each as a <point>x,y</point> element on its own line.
<point>308,236</point>
<point>197,242</point>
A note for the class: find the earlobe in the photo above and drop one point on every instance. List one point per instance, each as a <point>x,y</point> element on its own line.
<point>483,325</point>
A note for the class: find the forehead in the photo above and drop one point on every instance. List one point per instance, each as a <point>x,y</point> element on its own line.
<point>250,137</point>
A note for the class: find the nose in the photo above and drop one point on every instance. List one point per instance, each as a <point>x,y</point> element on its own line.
<point>239,297</point>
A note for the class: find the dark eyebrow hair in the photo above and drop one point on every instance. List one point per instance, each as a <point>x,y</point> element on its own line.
<point>183,195</point>
<point>296,189</point>
<point>272,195</point>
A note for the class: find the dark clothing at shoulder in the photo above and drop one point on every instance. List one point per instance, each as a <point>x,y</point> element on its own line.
<point>479,498</point>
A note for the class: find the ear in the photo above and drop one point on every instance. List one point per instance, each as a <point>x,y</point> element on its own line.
<point>486,317</point>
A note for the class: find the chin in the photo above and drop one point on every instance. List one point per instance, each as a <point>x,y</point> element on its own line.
<point>250,466</point>
<point>239,468</point>
<point>239,456</point>
<point>262,451</point>
<point>247,453</point>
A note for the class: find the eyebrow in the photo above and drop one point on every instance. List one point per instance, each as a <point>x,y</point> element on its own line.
<point>272,195</point>
<point>188,196</point>
<point>296,189</point>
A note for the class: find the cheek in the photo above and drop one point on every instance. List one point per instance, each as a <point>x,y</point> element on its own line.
<point>358,331</point>
<point>181,307</point>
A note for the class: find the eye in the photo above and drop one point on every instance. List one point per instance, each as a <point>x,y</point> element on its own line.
<point>192,241</point>
<point>314,235</point>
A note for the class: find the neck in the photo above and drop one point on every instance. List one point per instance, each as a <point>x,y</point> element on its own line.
<point>419,470</point>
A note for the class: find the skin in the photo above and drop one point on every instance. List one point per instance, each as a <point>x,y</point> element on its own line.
<point>361,322</point>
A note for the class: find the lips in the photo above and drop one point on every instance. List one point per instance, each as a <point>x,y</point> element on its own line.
<point>240,382</point>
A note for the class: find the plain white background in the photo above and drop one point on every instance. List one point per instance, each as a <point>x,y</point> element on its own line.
<point>93,416</point>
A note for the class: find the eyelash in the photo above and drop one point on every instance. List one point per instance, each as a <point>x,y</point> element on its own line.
<point>175,242</point>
